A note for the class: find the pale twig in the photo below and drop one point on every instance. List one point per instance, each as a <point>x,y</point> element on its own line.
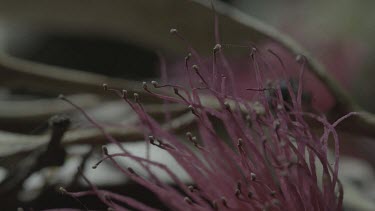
<point>13,144</point>
<point>48,79</point>
<point>25,114</point>
<point>51,154</point>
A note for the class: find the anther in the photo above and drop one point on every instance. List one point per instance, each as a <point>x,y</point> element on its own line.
<point>299,58</point>
<point>215,206</point>
<point>155,84</point>
<point>136,97</point>
<point>192,139</point>
<point>224,201</point>
<point>248,120</point>
<point>105,87</point>
<point>159,143</point>
<point>250,194</point>
<point>144,85</point>
<point>188,200</point>
<point>273,193</point>
<point>192,110</point>
<point>239,143</point>
<point>62,190</point>
<point>191,188</point>
<point>217,48</point>
<point>237,193</point>
<point>253,176</point>
<point>124,93</point>
<point>173,31</point>
<point>105,150</point>
<point>132,171</point>
<point>95,166</point>
<point>188,57</point>
<point>61,96</point>
<point>195,67</point>
<point>175,90</point>
<point>227,105</point>
<point>152,139</point>
<point>258,108</point>
<point>276,124</point>
<point>238,185</point>
<point>190,136</point>
<point>253,50</point>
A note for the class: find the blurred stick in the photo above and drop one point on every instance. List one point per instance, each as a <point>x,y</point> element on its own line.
<point>13,144</point>
<point>25,114</point>
<point>52,154</point>
<point>48,79</point>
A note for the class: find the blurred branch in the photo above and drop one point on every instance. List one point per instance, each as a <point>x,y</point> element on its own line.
<point>12,144</point>
<point>82,166</point>
<point>19,73</point>
<point>28,113</point>
<point>52,154</point>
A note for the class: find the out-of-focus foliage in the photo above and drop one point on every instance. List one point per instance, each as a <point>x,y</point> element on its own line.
<point>349,22</point>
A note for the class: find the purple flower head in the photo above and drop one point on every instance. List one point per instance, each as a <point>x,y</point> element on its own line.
<point>244,153</point>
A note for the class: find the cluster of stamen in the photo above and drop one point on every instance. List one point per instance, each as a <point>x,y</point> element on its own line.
<point>262,166</point>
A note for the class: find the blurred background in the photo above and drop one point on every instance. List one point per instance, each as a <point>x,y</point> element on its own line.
<point>71,47</point>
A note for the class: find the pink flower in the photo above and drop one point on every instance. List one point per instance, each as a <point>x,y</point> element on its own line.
<point>251,151</point>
